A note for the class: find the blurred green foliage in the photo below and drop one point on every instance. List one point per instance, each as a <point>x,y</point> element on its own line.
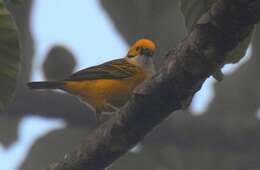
<point>59,63</point>
<point>9,56</point>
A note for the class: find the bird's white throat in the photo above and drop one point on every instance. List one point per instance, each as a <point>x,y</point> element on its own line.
<point>144,62</point>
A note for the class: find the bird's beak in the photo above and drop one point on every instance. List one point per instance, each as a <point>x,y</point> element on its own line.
<point>147,52</point>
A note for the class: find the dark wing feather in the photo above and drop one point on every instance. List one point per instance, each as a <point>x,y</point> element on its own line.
<point>116,69</point>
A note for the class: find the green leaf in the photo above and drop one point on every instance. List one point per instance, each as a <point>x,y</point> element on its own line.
<point>192,11</point>
<point>9,56</point>
<point>235,55</point>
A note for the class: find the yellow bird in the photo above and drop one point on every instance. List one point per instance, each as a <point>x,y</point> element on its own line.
<point>108,86</point>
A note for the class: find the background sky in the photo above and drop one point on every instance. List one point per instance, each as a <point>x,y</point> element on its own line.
<point>84,28</point>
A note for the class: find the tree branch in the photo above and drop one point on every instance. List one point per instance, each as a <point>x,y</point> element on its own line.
<point>184,70</point>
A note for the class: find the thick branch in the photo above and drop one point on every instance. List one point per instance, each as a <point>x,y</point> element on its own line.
<point>183,72</point>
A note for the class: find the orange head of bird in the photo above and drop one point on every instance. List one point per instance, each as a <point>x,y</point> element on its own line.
<point>142,47</point>
<point>140,54</point>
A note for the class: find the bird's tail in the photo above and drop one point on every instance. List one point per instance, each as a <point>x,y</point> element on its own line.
<point>45,85</point>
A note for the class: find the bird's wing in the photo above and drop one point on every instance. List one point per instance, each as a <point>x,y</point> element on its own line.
<point>115,69</point>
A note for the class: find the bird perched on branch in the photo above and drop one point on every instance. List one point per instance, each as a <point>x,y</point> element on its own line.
<point>108,86</point>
